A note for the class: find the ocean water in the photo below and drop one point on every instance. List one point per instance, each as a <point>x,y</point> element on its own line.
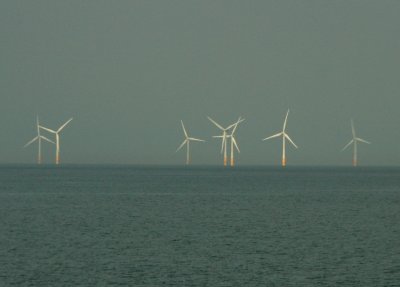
<point>200,226</point>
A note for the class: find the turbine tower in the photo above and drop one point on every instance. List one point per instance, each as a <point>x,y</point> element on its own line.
<point>187,142</point>
<point>39,138</point>
<point>284,137</point>
<point>354,141</point>
<point>224,137</point>
<point>57,138</point>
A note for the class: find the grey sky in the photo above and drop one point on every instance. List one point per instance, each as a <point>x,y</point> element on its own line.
<point>129,71</point>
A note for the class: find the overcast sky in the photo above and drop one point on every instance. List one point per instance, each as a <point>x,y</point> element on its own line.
<point>129,71</point>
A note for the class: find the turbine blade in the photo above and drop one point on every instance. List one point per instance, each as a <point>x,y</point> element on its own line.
<point>364,141</point>
<point>46,139</point>
<point>235,143</point>
<point>197,140</point>
<point>346,146</point>
<point>215,123</point>
<point>223,142</point>
<point>274,136</point>
<point>63,126</point>
<point>184,130</point>
<point>235,124</point>
<point>234,129</point>
<point>47,129</point>
<point>30,142</point>
<point>181,145</point>
<point>229,127</point>
<point>285,122</point>
<point>287,136</point>
<point>218,136</point>
<point>353,131</point>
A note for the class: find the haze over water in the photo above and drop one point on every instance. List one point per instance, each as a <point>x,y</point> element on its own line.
<point>129,71</point>
<point>202,226</point>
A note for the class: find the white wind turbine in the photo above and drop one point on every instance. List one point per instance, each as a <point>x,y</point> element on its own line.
<point>39,138</point>
<point>57,138</point>
<point>284,137</point>
<point>224,137</point>
<point>187,142</point>
<point>354,141</point>
<point>233,140</point>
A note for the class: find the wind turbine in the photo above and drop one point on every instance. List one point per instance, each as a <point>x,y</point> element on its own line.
<point>233,140</point>
<point>224,136</point>
<point>284,137</point>
<point>39,138</point>
<point>354,141</point>
<point>57,138</point>
<point>187,142</point>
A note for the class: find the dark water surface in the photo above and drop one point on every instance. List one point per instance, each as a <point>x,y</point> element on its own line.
<point>169,226</point>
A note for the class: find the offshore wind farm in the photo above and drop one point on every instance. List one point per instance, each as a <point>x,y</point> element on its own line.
<point>150,143</point>
<point>225,137</point>
<point>132,95</point>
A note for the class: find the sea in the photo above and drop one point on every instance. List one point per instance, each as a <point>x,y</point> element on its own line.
<point>110,225</point>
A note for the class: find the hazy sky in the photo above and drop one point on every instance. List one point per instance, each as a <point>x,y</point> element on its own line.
<point>129,71</point>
